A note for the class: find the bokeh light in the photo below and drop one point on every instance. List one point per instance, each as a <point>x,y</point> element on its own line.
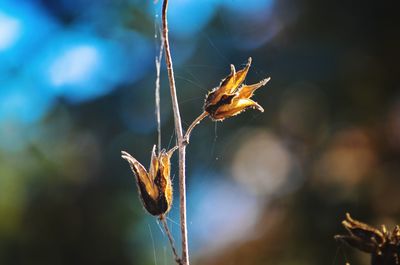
<point>262,163</point>
<point>225,216</point>
<point>24,27</point>
<point>9,32</point>
<point>74,65</point>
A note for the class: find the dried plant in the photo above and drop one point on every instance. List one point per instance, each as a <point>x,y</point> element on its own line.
<point>230,98</point>
<point>383,245</point>
<point>155,187</point>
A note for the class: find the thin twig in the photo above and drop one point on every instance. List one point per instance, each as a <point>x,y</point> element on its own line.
<point>179,134</point>
<point>171,239</point>
<point>158,117</point>
<point>191,127</point>
<point>157,94</point>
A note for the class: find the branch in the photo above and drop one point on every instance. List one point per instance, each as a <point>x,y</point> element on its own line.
<point>171,239</point>
<point>157,95</point>
<point>179,134</point>
<point>191,127</point>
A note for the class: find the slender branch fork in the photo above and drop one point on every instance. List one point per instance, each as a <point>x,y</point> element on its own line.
<point>191,127</point>
<point>179,134</point>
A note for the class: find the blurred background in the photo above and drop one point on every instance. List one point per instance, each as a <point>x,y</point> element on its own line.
<point>77,83</point>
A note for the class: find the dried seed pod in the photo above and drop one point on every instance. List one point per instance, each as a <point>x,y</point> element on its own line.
<point>232,97</point>
<point>155,187</point>
<point>383,245</point>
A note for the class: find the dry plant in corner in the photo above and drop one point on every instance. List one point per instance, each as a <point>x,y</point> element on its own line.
<point>230,98</point>
<point>383,245</point>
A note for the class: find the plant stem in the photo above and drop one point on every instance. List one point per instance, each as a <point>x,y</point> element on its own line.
<point>171,239</point>
<point>170,152</point>
<point>179,134</point>
<point>157,95</point>
<point>191,127</point>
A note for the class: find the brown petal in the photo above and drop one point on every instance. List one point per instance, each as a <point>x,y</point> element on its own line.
<point>237,106</point>
<point>165,184</point>
<point>356,242</point>
<point>153,163</point>
<point>246,91</point>
<point>230,84</point>
<point>143,180</point>
<point>363,231</point>
<point>396,232</point>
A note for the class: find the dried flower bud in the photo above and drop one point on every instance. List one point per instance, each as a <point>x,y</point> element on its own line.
<point>232,97</point>
<point>384,246</point>
<point>155,187</point>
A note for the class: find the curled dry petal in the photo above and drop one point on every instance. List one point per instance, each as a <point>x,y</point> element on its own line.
<point>232,97</point>
<point>383,245</point>
<point>356,242</point>
<point>155,187</point>
<point>362,230</point>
